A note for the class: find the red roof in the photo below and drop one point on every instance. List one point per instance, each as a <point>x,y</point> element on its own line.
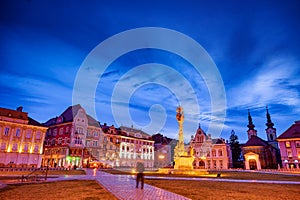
<point>292,132</point>
<point>18,114</point>
<point>255,141</point>
<point>13,114</point>
<point>68,115</point>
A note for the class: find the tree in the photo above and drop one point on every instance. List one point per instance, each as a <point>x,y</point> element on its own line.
<point>235,150</point>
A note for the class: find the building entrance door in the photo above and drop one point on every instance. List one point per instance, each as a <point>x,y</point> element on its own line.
<point>201,164</point>
<point>252,164</point>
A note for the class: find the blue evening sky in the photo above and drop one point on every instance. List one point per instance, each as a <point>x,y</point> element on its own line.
<point>254,44</point>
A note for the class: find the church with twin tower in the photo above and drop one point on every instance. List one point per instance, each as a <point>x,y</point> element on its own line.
<point>258,153</point>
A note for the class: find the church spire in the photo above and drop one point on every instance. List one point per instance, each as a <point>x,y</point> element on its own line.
<point>251,131</point>
<point>250,123</point>
<point>269,123</point>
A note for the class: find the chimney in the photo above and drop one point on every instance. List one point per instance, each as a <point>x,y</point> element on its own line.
<point>20,109</point>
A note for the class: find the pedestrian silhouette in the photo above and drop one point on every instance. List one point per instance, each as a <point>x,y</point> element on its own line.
<point>140,175</point>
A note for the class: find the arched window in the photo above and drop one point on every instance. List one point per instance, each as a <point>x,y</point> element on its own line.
<point>200,139</point>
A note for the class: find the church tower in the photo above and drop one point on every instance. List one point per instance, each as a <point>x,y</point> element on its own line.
<point>251,131</point>
<point>271,131</point>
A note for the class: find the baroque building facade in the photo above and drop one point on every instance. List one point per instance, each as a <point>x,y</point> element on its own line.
<point>289,142</point>
<point>72,139</point>
<point>209,153</point>
<point>126,146</point>
<point>21,139</point>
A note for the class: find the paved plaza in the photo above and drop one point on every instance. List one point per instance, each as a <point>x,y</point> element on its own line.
<point>123,186</point>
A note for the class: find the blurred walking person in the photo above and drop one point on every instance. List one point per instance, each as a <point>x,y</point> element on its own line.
<point>140,174</point>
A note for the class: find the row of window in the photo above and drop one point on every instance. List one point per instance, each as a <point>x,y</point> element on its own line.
<point>209,164</point>
<point>59,141</point>
<point>215,153</point>
<point>288,144</point>
<point>91,133</point>
<point>55,151</point>
<point>127,140</point>
<point>134,156</point>
<point>60,131</point>
<point>17,133</point>
<point>290,155</point>
<point>143,150</point>
<point>69,129</point>
<point>14,147</point>
<point>93,143</point>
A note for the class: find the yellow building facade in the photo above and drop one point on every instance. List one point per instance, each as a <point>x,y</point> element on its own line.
<point>21,139</point>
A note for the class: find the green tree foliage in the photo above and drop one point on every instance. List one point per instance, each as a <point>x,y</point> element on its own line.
<point>235,149</point>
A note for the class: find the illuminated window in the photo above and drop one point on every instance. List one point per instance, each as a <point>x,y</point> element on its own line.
<point>28,134</point>
<point>201,139</point>
<point>6,131</point>
<point>26,148</point>
<point>36,148</point>
<point>38,135</point>
<point>208,164</point>
<point>214,153</point>
<point>78,140</point>
<point>95,143</point>
<point>49,132</point>
<point>220,153</point>
<point>289,153</point>
<point>3,146</point>
<point>79,130</point>
<point>55,132</point>
<point>59,140</point>
<point>88,143</point>
<point>15,147</point>
<point>18,132</point>
<point>215,164</point>
<point>221,164</point>
<point>287,144</point>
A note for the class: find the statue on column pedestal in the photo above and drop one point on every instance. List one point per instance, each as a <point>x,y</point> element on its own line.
<point>183,161</point>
